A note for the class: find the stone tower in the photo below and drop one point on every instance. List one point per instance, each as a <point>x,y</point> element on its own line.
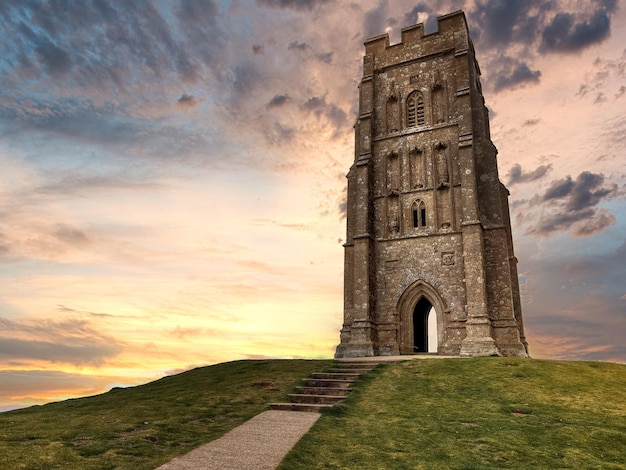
<point>429,263</point>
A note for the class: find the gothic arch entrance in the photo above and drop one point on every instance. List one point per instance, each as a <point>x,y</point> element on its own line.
<point>424,327</point>
<point>420,310</point>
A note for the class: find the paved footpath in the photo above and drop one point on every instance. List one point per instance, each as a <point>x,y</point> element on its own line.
<point>260,444</point>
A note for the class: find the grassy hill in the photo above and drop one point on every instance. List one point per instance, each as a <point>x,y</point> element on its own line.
<point>432,414</point>
<point>481,413</point>
<point>143,427</point>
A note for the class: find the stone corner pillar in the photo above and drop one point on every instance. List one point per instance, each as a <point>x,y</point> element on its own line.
<point>479,339</point>
<point>361,342</point>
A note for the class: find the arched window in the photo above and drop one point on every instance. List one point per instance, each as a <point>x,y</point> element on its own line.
<point>419,214</point>
<point>415,110</point>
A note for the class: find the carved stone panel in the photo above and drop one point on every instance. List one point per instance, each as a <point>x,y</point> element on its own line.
<point>442,165</point>
<point>393,216</point>
<point>416,161</point>
<point>392,118</point>
<point>438,98</point>
<point>393,173</point>
<point>447,258</point>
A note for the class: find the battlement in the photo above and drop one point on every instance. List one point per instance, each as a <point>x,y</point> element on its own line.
<point>451,28</point>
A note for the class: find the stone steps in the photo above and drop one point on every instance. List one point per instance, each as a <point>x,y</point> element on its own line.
<point>325,389</point>
<point>350,371</point>
<point>328,383</point>
<point>366,365</point>
<point>323,399</point>
<point>311,407</point>
<point>335,376</point>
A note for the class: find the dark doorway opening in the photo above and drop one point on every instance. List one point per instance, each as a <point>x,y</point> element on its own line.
<point>420,325</point>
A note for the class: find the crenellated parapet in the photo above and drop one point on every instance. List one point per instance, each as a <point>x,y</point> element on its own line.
<point>452,35</point>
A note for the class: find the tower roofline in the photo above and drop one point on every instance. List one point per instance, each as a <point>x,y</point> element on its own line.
<point>414,33</point>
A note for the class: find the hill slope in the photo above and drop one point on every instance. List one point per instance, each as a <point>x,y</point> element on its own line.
<point>449,413</point>
<point>475,414</point>
<point>143,427</point>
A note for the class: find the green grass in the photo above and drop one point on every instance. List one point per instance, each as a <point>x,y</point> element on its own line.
<point>482,413</point>
<point>146,426</point>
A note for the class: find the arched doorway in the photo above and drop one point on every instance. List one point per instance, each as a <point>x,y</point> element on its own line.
<point>420,311</point>
<point>420,325</point>
<point>425,327</point>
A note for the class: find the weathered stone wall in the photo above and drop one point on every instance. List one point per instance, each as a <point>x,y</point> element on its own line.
<point>427,214</point>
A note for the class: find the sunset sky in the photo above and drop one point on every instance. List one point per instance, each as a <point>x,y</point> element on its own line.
<point>172,178</point>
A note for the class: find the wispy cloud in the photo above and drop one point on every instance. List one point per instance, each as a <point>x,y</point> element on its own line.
<point>298,5</point>
<point>571,204</point>
<point>187,101</point>
<point>517,175</point>
<point>277,101</point>
<point>568,33</point>
<point>22,388</point>
<point>514,73</point>
<point>74,342</point>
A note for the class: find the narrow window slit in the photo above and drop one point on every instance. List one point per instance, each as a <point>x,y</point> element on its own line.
<point>418,211</point>
<point>415,113</point>
<point>420,111</point>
